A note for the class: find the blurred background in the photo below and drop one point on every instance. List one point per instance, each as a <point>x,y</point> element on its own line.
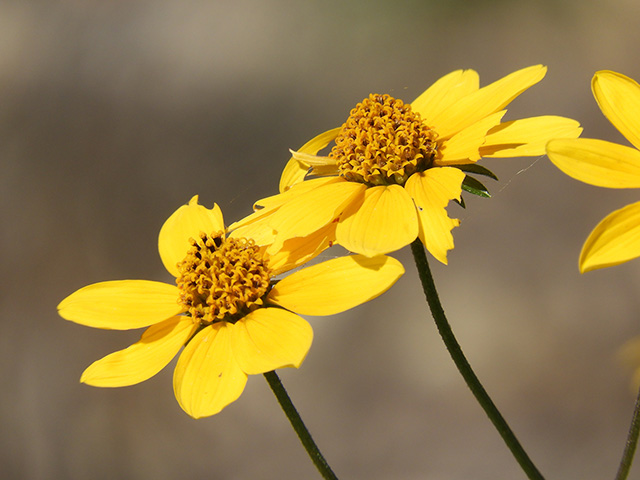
<point>114,113</point>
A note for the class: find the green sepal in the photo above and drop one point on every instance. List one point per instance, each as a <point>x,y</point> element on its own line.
<point>460,202</point>
<point>477,169</point>
<point>473,186</point>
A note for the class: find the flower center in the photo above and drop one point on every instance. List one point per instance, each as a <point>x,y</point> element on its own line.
<point>383,142</point>
<point>222,279</point>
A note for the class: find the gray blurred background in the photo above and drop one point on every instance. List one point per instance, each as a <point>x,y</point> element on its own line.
<point>114,113</point>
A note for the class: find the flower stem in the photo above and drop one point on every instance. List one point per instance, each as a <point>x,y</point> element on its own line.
<point>463,365</point>
<point>632,443</point>
<point>298,425</point>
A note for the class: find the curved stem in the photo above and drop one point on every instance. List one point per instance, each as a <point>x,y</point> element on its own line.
<point>299,426</point>
<point>632,443</point>
<point>464,367</point>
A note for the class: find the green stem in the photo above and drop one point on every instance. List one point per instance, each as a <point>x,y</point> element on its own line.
<point>632,443</point>
<point>464,367</point>
<point>299,426</point>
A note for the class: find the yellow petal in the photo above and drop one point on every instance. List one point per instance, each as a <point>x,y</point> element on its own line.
<point>296,251</point>
<point>257,225</point>
<point>295,191</point>
<point>619,99</point>
<point>313,160</point>
<point>295,170</point>
<point>615,240</point>
<point>320,166</point>
<point>207,377</point>
<point>121,304</point>
<point>528,137</point>
<point>270,338</point>
<point>260,232</point>
<point>485,101</point>
<point>597,162</point>
<point>336,285</point>
<point>431,191</point>
<point>325,170</point>
<point>268,205</point>
<point>444,93</point>
<point>464,146</point>
<point>185,223</point>
<point>142,360</point>
<point>260,212</point>
<point>314,209</point>
<point>435,233</point>
<point>386,221</point>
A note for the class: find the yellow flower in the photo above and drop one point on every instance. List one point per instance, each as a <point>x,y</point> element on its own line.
<point>395,166</point>
<point>616,239</point>
<point>234,319</point>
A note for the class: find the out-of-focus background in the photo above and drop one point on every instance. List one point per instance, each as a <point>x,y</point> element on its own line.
<point>114,113</point>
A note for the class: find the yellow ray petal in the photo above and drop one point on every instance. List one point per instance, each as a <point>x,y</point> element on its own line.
<point>616,239</point>
<point>619,99</point>
<point>431,191</point>
<point>207,377</point>
<point>313,160</point>
<point>336,285</point>
<point>296,251</point>
<point>314,209</point>
<point>142,360</point>
<point>386,221</point>
<point>464,146</point>
<point>259,231</point>
<point>444,93</point>
<point>121,304</point>
<point>325,170</point>
<point>263,208</point>
<point>435,233</point>
<point>295,191</point>
<point>268,205</point>
<point>320,166</point>
<point>597,162</point>
<point>485,101</point>
<point>257,225</point>
<point>528,137</point>
<point>185,223</point>
<point>270,338</point>
<point>295,170</point>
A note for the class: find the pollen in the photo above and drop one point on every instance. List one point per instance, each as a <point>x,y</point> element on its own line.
<point>222,279</point>
<point>383,142</point>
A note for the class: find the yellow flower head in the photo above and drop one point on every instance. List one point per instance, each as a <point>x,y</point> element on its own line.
<point>395,166</point>
<point>234,319</point>
<point>616,239</point>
